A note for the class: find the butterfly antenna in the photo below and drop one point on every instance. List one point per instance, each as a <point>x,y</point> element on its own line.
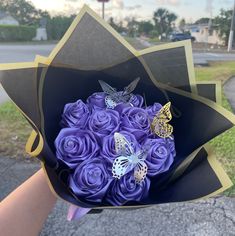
<point>145,102</point>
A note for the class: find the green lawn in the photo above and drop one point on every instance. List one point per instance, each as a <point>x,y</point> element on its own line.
<point>14,129</point>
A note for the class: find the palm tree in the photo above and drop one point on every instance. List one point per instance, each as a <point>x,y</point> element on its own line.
<point>163,20</point>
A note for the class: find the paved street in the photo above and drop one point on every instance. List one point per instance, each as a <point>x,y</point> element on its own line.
<point>203,58</point>
<point>229,89</point>
<point>24,53</point>
<point>19,53</point>
<point>212,217</point>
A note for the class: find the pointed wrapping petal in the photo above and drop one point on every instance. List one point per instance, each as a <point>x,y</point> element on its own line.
<point>203,177</point>
<point>211,90</point>
<point>89,45</point>
<point>19,81</point>
<point>172,64</point>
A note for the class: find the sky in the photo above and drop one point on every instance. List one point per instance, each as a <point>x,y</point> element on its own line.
<point>140,9</point>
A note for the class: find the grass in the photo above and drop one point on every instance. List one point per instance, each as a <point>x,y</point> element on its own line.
<point>224,145</point>
<point>14,129</point>
<point>29,42</point>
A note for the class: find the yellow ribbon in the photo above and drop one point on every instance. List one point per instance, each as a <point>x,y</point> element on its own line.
<point>30,143</point>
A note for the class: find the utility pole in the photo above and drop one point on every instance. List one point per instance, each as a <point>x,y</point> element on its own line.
<point>103,10</point>
<point>231,35</point>
<point>103,7</point>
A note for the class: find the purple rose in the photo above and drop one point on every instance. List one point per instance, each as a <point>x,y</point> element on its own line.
<point>127,189</point>
<point>108,147</point>
<point>136,121</point>
<point>75,145</point>
<point>97,101</point>
<point>153,110</point>
<point>75,115</point>
<point>160,155</point>
<point>104,122</point>
<point>90,180</point>
<point>137,100</point>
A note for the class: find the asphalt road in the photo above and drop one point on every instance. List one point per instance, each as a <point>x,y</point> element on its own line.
<point>20,53</point>
<point>23,53</point>
<point>27,53</point>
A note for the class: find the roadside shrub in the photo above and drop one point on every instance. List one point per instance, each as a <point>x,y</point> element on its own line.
<point>16,33</point>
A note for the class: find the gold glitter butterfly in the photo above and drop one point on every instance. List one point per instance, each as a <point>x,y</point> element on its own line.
<point>160,124</point>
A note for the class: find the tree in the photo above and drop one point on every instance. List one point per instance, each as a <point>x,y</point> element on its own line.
<point>203,20</point>
<point>117,26</point>
<point>132,27</point>
<point>145,27</point>
<point>163,20</point>
<point>182,25</point>
<point>23,11</point>
<point>58,25</point>
<point>223,22</point>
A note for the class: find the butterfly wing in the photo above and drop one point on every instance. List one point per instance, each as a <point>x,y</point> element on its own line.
<point>160,122</point>
<point>164,113</point>
<point>121,166</point>
<point>107,88</point>
<point>140,171</point>
<point>131,87</point>
<point>110,102</point>
<point>122,146</point>
<point>163,130</point>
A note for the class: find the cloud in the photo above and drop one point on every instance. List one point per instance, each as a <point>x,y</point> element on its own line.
<point>118,4</point>
<point>71,0</point>
<point>169,2</point>
<point>209,6</point>
<point>135,7</point>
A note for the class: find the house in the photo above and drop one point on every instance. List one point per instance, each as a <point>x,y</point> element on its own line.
<point>7,19</point>
<point>204,33</point>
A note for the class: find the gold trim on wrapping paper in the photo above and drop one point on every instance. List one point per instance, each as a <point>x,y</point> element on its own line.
<point>188,53</point>
<point>86,9</point>
<point>215,165</point>
<point>31,140</point>
<point>17,66</point>
<point>41,59</point>
<point>220,173</point>
<point>218,89</point>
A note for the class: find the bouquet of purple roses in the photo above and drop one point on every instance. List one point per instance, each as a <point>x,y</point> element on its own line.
<point>109,148</point>
<point>114,145</point>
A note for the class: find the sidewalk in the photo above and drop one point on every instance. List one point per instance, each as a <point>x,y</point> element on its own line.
<point>3,96</point>
<point>229,89</point>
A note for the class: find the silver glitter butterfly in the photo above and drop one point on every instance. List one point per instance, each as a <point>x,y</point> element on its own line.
<point>114,97</point>
<point>128,159</point>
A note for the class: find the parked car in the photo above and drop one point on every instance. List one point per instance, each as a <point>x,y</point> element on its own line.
<point>181,36</point>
